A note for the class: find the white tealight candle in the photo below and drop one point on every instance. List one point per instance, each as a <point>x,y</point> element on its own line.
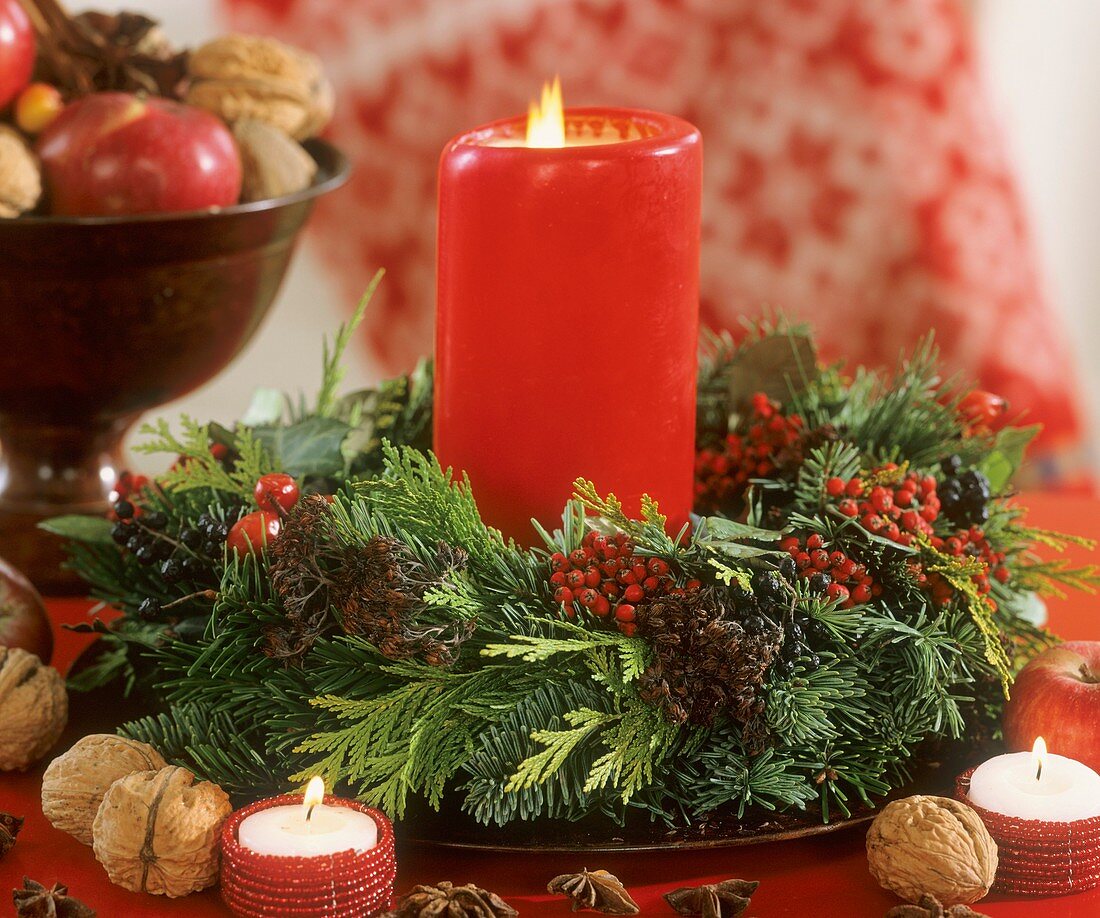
<point>309,830</point>
<point>1036,785</point>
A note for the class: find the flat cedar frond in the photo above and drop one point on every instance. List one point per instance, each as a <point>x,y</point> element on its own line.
<point>558,745</point>
<point>637,742</point>
<point>1051,538</point>
<point>197,467</point>
<point>1048,577</point>
<point>649,532</point>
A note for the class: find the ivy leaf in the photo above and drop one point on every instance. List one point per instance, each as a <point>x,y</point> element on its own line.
<point>778,365</point>
<point>1007,455</point>
<point>309,447</point>
<point>93,529</point>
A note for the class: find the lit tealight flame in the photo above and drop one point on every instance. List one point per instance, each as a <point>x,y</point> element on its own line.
<point>315,795</point>
<point>1038,754</point>
<point>546,118</point>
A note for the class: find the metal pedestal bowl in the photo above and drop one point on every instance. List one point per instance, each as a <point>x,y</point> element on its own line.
<point>103,318</point>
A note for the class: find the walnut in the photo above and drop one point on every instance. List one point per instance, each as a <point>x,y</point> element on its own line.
<point>273,163</point>
<point>20,177</point>
<point>157,832</point>
<point>74,783</point>
<point>932,846</point>
<point>33,708</point>
<point>249,76</point>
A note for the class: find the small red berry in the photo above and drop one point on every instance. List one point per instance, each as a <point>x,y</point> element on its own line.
<point>558,578</point>
<point>651,585</point>
<point>575,579</point>
<point>815,541</point>
<point>837,591</point>
<point>861,593</point>
<point>624,612</point>
<point>658,567</point>
<point>819,558</point>
<point>848,507</point>
<point>558,562</point>
<point>252,532</point>
<point>789,544</point>
<point>881,499</point>
<point>628,628</point>
<point>589,597</point>
<point>910,520</point>
<point>634,593</point>
<point>564,595</point>
<point>692,585</point>
<point>601,607</point>
<point>854,488</point>
<point>903,498</point>
<point>579,557</point>
<point>275,492</point>
<point>835,486</point>
<point>592,577</point>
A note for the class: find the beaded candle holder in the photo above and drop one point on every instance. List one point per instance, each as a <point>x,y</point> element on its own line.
<point>1036,857</point>
<point>347,884</point>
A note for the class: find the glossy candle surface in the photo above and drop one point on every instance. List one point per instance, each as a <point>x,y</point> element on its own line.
<point>567,318</point>
<point>1065,791</point>
<point>285,831</point>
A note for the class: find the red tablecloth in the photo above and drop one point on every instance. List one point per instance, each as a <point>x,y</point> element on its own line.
<point>822,877</point>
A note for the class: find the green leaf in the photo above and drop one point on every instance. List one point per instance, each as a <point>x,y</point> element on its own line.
<point>310,447</point>
<point>718,528</point>
<point>1008,452</point>
<point>93,529</point>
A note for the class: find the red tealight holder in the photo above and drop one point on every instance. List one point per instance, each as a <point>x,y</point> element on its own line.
<point>347,884</point>
<point>1036,857</point>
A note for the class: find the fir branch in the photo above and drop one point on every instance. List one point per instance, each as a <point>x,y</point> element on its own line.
<point>332,362</point>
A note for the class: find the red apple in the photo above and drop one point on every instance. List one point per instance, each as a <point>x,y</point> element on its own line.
<point>115,153</point>
<point>17,49</point>
<point>23,621</point>
<point>1057,696</point>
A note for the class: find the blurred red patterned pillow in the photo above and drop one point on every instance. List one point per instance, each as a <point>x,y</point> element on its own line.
<point>854,176</point>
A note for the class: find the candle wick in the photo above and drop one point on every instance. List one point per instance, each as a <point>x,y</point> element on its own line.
<point>1039,770</point>
<point>309,811</point>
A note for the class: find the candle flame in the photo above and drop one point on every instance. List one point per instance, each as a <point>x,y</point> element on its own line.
<point>546,118</point>
<point>315,794</point>
<point>1038,754</point>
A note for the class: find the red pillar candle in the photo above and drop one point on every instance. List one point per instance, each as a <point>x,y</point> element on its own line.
<point>567,318</point>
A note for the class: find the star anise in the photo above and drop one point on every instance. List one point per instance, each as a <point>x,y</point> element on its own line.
<point>445,900</point>
<point>9,828</point>
<point>96,52</point>
<point>714,900</point>
<point>35,901</point>
<point>595,889</point>
<point>930,907</point>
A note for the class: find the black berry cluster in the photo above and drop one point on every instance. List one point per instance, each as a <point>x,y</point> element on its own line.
<point>964,495</point>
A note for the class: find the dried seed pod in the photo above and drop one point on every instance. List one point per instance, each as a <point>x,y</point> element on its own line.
<point>445,900</point>
<point>9,829</point>
<point>35,901</point>
<point>727,899</point>
<point>157,832</point>
<point>932,845</point>
<point>930,907</point>
<point>241,77</point>
<point>273,164</point>
<point>597,890</point>
<point>74,783</point>
<point>33,708</point>
<point>20,177</point>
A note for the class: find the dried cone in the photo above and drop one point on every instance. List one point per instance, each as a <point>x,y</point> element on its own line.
<point>157,832</point>
<point>74,783</point>
<point>932,846</point>
<point>33,708</point>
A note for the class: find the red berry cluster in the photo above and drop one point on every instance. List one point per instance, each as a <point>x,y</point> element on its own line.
<point>722,473</point>
<point>605,577</point>
<point>845,579</point>
<point>897,512</point>
<point>126,487</point>
<point>971,542</point>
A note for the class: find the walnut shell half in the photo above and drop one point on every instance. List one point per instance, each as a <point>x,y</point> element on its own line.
<point>20,177</point>
<point>157,832</point>
<point>272,163</point>
<point>33,708</point>
<point>74,783</point>
<point>254,77</point>
<point>932,845</point>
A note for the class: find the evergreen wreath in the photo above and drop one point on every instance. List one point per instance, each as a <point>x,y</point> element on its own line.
<point>852,593</point>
